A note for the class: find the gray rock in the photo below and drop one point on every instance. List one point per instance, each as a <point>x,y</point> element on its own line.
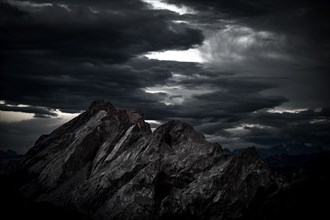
<point>108,164</point>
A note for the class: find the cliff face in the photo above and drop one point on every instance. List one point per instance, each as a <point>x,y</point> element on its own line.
<point>108,164</point>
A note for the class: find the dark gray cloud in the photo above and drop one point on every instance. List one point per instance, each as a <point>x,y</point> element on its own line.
<point>38,111</point>
<point>113,34</point>
<point>304,22</point>
<point>287,40</point>
<point>49,85</point>
<point>308,126</point>
<point>265,54</point>
<point>63,59</point>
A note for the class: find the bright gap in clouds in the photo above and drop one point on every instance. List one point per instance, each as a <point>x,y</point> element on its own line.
<point>17,116</point>
<point>230,44</point>
<point>154,124</point>
<point>11,116</point>
<point>282,110</point>
<point>176,95</point>
<point>29,4</point>
<point>191,55</point>
<point>161,5</point>
<point>66,116</point>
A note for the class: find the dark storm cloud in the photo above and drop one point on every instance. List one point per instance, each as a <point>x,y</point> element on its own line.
<point>305,21</point>
<point>263,128</point>
<point>8,11</point>
<point>110,35</point>
<point>65,55</point>
<point>230,98</point>
<point>309,126</point>
<point>38,111</point>
<point>255,8</point>
<point>270,38</point>
<point>234,100</point>
<point>239,101</point>
<point>230,7</point>
<point>72,88</point>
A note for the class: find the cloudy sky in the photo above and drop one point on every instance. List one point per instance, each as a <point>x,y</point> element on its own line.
<point>243,72</point>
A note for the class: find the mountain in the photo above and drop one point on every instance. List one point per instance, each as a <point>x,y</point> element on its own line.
<point>9,154</point>
<point>108,164</point>
<point>9,161</point>
<point>290,148</point>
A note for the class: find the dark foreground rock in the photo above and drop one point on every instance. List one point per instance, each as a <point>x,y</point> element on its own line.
<point>107,164</point>
<point>302,195</point>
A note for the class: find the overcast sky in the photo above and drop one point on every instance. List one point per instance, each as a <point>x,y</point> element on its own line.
<point>243,72</point>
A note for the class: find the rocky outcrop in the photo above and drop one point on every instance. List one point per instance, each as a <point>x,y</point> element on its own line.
<point>108,164</point>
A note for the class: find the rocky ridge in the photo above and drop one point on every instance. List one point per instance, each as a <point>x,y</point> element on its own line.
<point>107,164</point>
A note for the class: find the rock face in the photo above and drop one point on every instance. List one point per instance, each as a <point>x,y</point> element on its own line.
<point>108,164</point>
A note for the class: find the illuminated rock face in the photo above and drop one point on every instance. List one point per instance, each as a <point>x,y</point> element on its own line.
<point>108,164</point>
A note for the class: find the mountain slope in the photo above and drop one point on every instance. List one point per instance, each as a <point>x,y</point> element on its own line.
<point>107,163</point>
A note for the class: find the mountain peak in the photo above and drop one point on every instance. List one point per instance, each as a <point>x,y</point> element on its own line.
<point>107,162</point>
<point>123,115</point>
<point>99,105</point>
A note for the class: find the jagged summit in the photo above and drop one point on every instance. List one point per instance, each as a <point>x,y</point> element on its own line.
<point>133,116</point>
<point>108,164</point>
<point>99,105</point>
